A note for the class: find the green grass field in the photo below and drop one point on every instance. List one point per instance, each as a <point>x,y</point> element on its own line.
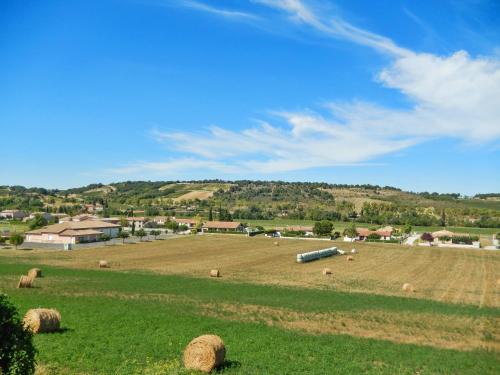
<point>13,226</point>
<point>139,323</point>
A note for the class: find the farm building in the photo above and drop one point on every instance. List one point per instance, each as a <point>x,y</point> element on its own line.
<point>82,217</point>
<point>73,232</point>
<point>447,238</point>
<point>94,207</point>
<point>47,216</point>
<point>160,220</point>
<point>12,214</point>
<point>190,223</point>
<point>138,221</point>
<point>444,233</point>
<point>222,226</point>
<point>363,233</point>
<point>300,228</point>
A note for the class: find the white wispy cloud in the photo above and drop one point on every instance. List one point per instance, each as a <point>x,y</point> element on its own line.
<point>454,96</point>
<point>200,6</point>
<point>334,26</point>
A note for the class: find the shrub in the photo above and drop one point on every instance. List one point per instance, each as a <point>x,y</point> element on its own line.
<point>322,228</point>
<point>444,238</point>
<point>294,233</point>
<point>37,222</point>
<point>105,237</point>
<point>427,237</point>
<point>351,231</point>
<point>462,240</point>
<point>384,241</point>
<point>17,353</point>
<point>140,233</point>
<point>498,236</point>
<point>373,236</point>
<point>16,240</point>
<point>335,235</point>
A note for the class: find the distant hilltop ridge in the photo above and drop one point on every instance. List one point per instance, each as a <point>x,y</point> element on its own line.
<point>261,200</point>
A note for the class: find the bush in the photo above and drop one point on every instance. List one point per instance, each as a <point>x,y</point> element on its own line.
<point>294,233</point>
<point>373,236</point>
<point>427,237</point>
<point>384,241</point>
<point>462,240</point>
<point>323,228</point>
<point>498,236</point>
<point>17,353</point>
<point>16,240</point>
<point>444,238</point>
<point>335,235</point>
<point>105,237</point>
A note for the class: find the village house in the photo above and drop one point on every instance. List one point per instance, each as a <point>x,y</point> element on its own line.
<point>443,236</point>
<point>363,233</point>
<point>447,238</point>
<point>138,221</point>
<point>222,226</point>
<point>73,232</point>
<point>81,217</point>
<point>308,231</point>
<point>160,220</point>
<point>92,208</point>
<point>112,220</point>
<point>12,214</point>
<point>190,223</point>
<point>46,215</point>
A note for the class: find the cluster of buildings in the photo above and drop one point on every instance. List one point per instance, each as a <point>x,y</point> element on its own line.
<point>446,238</point>
<point>90,228</point>
<point>12,214</point>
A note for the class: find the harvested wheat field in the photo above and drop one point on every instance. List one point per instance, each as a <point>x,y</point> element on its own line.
<point>451,275</point>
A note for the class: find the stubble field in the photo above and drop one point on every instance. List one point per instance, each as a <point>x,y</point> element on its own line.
<point>276,316</point>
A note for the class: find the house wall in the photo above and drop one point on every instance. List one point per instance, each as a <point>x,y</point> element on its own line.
<point>49,238</point>
<point>13,215</point>
<point>112,232</point>
<point>138,224</point>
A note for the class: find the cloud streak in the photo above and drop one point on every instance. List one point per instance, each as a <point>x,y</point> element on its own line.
<point>230,14</point>
<point>453,96</point>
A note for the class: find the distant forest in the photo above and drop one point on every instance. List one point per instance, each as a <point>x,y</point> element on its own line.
<point>264,200</point>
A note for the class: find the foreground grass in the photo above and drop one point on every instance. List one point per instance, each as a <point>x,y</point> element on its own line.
<point>134,323</point>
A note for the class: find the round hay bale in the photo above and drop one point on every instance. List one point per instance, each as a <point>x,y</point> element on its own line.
<point>34,273</point>
<point>407,287</point>
<point>42,320</point>
<point>214,273</point>
<point>327,271</point>
<point>276,243</point>
<point>25,282</point>
<point>350,258</point>
<point>354,251</point>
<point>204,353</point>
<point>103,264</point>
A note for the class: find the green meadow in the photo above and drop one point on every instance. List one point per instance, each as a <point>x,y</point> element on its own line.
<point>139,323</point>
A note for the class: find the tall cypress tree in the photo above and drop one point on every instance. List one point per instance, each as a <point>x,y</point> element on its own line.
<point>210,215</point>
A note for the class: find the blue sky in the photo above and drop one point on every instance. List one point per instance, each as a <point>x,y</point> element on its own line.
<point>401,93</point>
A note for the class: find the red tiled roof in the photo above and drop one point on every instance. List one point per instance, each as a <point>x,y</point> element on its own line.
<point>221,224</point>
